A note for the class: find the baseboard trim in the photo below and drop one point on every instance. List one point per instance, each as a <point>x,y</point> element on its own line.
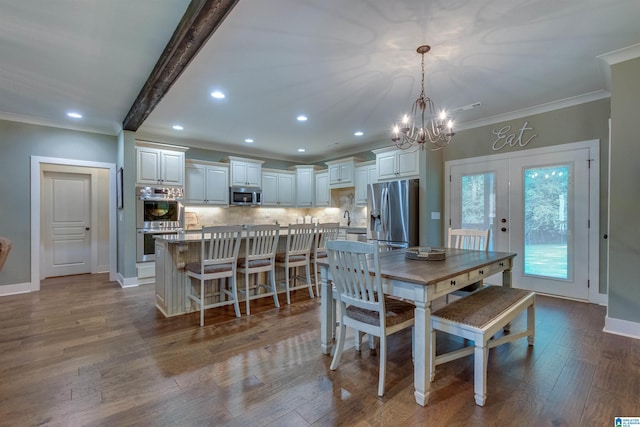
<point>621,327</point>
<point>18,288</point>
<point>127,282</point>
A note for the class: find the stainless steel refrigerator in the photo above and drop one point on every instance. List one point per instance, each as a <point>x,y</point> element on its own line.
<point>393,213</point>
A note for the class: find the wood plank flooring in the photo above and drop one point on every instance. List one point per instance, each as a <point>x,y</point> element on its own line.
<point>83,351</point>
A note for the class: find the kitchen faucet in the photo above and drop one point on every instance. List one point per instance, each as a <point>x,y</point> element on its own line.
<point>348,216</point>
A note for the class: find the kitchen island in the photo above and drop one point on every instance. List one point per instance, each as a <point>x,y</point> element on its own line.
<point>173,252</point>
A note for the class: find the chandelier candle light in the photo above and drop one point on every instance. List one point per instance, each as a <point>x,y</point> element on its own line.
<point>414,132</point>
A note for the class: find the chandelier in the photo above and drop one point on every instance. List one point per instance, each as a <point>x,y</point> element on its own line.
<point>433,132</point>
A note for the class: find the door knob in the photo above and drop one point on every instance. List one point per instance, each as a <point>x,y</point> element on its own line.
<point>87,228</point>
<point>504,229</point>
<point>503,220</point>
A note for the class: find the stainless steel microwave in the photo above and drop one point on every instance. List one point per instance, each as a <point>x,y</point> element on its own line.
<point>245,196</point>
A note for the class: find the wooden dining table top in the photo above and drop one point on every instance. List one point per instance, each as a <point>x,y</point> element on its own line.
<point>394,265</point>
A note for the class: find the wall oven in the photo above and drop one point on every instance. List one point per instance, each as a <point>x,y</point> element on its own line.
<point>159,207</point>
<point>146,245</point>
<point>159,211</point>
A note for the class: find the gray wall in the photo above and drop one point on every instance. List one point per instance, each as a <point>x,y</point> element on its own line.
<point>624,240</point>
<point>18,142</point>
<point>579,123</point>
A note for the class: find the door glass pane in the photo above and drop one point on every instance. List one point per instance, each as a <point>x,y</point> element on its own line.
<point>546,201</point>
<point>479,203</point>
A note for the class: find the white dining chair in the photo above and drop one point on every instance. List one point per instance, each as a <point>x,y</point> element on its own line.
<point>261,242</point>
<point>219,255</point>
<point>297,254</point>
<point>467,238</point>
<point>324,232</point>
<point>355,270</point>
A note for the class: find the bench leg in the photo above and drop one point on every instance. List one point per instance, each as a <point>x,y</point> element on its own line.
<point>480,371</point>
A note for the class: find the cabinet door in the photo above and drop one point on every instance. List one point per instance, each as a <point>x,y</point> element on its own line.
<point>172,168</point>
<point>254,175</point>
<point>346,172</point>
<point>148,165</point>
<point>362,179</point>
<point>269,189</point>
<point>386,165</point>
<point>238,174</point>
<point>304,187</point>
<point>323,193</point>
<point>286,190</point>
<point>217,185</point>
<point>408,163</point>
<point>334,174</point>
<point>194,191</point>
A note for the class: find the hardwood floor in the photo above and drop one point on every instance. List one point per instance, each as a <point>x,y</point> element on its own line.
<point>83,351</point>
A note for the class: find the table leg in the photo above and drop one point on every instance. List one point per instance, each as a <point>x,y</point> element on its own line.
<point>422,348</point>
<point>506,282</point>
<point>326,302</point>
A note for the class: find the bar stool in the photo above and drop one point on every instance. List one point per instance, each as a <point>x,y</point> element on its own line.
<point>261,242</point>
<point>298,254</point>
<point>324,233</point>
<point>219,255</point>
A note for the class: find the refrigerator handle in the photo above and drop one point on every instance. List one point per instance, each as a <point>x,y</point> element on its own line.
<point>384,210</point>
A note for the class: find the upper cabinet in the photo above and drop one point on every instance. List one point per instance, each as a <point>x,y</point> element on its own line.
<point>206,183</point>
<point>341,172</point>
<point>305,185</point>
<point>396,164</point>
<point>323,192</point>
<point>159,166</point>
<point>246,172</point>
<point>366,173</point>
<point>278,188</point>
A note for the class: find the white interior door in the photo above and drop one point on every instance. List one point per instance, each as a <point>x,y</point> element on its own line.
<point>66,200</point>
<point>536,206</point>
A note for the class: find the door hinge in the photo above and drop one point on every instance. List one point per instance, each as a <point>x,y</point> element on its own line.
<point>449,178</point>
<point>588,223</point>
<point>588,284</point>
<point>449,221</point>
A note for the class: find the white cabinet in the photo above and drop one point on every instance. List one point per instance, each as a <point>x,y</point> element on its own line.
<point>365,174</point>
<point>395,164</point>
<point>278,188</point>
<point>158,166</point>
<point>207,183</point>
<point>323,193</point>
<point>246,172</point>
<point>341,172</point>
<point>305,185</point>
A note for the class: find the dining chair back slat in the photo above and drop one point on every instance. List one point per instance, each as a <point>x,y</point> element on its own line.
<point>260,250</point>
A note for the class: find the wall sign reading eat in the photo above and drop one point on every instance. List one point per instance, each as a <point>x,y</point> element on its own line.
<point>504,137</point>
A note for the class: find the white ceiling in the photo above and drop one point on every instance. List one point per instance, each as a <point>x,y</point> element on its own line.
<point>348,65</point>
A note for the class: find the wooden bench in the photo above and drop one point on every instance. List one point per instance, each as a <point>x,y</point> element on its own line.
<point>479,317</point>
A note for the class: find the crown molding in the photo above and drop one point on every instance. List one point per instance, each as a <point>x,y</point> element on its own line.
<point>621,55</point>
<point>538,109</point>
<point>20,118</point>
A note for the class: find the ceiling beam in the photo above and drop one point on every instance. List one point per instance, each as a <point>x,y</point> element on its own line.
<point>198,23</point>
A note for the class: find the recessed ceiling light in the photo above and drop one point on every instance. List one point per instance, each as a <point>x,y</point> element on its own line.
<point>217,94</point>
<point>358,133</point>
<point>301,150</point>
<point>177,127</point>
<point>301,118</point>
<point>74,115</point>
<point>249,141</point>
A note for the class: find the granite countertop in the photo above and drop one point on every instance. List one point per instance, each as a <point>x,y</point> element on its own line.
<point>195,235</point>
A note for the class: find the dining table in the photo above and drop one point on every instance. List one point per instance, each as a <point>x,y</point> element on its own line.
<point>420,281</point>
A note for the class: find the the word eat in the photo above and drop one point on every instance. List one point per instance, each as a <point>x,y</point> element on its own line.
<point>506,138</point>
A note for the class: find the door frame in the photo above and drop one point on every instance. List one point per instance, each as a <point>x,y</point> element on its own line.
<point>36,170</point>
<point>593,145</point>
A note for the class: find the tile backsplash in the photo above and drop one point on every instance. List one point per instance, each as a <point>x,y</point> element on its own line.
<point>343,199</point>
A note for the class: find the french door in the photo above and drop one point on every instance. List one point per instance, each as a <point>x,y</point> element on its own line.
<point>536,205</point>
